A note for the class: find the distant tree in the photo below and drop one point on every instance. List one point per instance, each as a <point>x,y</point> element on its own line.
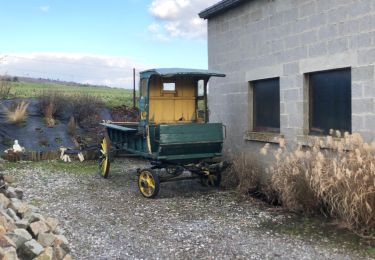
<point>15,79</point>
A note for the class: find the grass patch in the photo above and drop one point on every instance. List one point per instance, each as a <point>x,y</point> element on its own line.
<point>75,167</point>
<point>5,87</point>
<point>112,97</point>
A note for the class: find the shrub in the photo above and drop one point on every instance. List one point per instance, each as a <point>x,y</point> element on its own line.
<point>52,103</point>
<point>86,109</point>
<point>17,113</point>
<point>339,180</point>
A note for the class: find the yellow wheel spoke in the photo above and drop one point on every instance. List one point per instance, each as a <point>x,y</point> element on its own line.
<point>151,183</point>
<point>104,159</point>
<point>147,184</point>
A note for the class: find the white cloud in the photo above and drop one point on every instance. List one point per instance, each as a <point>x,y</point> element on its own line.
<point>44,8</point>
<point>157,32</point>
<point>178,18</point>
<point>154,28</point>
<point>77,67</point>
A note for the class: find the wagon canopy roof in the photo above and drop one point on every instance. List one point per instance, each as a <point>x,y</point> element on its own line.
<point>172,72</point>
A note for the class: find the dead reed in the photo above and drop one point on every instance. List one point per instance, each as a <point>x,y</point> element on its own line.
<point>71,127</point>
<point>48,112</point>
<point>245,172</point>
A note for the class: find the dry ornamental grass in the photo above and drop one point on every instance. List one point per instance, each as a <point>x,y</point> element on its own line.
<point>244,172</point>
<point>17,113</point>
<point>336,176</point>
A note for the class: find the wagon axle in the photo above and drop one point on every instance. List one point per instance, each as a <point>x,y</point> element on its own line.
<point>149,180</point>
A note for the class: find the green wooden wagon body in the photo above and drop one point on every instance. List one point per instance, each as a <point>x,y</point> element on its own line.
<point>173,132</point>
<point>169,143</point>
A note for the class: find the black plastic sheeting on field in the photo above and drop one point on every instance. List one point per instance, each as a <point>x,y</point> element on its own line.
<point>33,134</point>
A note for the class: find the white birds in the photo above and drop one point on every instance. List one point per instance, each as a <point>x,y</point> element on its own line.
<point>17,148</point>
<point>64,156</point>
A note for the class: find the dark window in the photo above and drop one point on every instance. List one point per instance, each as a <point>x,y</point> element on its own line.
<point>330,101</point>
<point>266,105</point>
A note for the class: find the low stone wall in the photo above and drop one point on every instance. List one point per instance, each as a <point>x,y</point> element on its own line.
<point>24,232</point>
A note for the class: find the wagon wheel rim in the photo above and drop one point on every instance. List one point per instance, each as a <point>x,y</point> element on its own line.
<point>104,157</point>
<point>146,183</point>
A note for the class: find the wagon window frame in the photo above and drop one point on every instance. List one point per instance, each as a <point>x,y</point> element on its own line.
<point>167,86</point>
<point>143,88</point>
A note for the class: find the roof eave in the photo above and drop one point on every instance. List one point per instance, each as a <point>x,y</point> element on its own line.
<point>218,8</point>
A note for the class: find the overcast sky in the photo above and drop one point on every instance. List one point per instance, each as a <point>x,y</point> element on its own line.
<point>100,41</point>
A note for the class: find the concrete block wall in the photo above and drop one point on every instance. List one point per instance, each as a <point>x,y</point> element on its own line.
<point>289,38</point>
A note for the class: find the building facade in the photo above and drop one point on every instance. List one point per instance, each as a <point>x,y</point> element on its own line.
<point>294,68</point>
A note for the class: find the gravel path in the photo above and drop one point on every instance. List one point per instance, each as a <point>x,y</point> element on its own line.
<point>109,219</point>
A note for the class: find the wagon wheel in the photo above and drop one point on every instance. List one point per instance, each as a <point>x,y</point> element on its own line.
<point>104,157</point>
<point>148,183</point>
<point>211,180</point>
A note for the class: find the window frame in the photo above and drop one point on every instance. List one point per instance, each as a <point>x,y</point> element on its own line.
<point>310,114</point>
<point>254,116</point>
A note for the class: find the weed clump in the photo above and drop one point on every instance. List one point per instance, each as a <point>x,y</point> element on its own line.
<point>86,109</point>
<point>52,104</point>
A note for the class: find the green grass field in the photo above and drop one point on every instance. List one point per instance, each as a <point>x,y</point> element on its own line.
<point>112,97</point>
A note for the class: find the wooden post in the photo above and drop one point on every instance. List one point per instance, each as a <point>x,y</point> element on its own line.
<point>133,87</point>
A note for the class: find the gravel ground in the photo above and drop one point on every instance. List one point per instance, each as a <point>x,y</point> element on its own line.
<point>109,219</point>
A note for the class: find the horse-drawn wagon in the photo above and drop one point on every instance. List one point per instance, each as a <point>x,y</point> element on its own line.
<point>173,132</point>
